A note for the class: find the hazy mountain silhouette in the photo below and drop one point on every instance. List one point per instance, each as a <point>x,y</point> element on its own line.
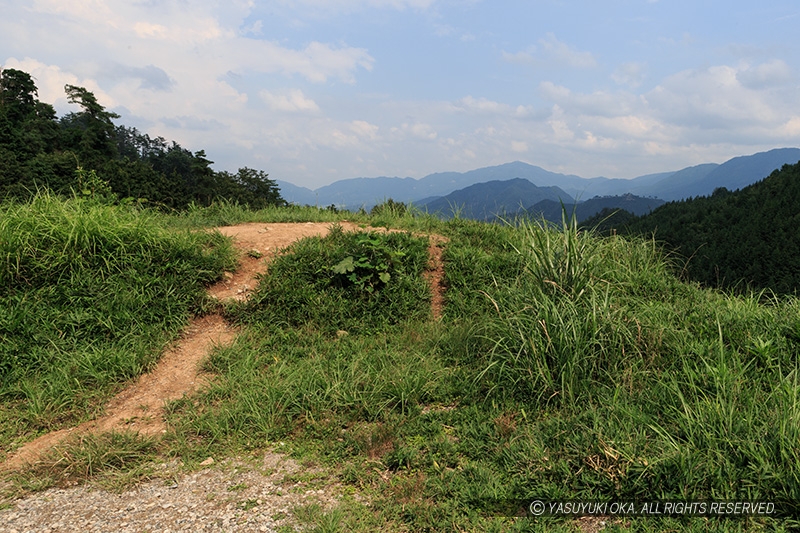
<point>484,201</point>
<point>673,185</point>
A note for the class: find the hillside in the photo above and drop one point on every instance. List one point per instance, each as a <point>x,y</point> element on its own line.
<point>486,201</point>
<point>552,211</point>
<point>749,236</point>
<point>681,184</point>
<point>734,174</point>
<point>559,365</point>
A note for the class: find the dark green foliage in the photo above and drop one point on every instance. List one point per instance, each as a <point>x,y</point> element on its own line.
<point>249,187</point>
<point>351,281</point>
<point>89,133</point>
<point>747,238</point>
<point>389,208</point>
<point>608,220</point>
<point>38,150</point>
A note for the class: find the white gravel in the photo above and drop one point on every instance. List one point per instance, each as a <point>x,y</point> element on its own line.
<point>231,496</point>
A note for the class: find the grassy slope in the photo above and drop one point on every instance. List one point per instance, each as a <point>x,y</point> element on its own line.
<point>90,294</point>
<point>566,366</point>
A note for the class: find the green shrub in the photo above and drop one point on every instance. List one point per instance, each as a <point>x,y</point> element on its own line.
<point>351,281</point>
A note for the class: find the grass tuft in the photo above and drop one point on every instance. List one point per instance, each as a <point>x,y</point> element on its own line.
<point>345,281</point>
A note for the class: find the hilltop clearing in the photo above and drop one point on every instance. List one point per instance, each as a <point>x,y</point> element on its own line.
<point>558,366</point>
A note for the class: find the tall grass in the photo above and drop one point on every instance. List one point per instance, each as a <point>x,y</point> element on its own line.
<point>565,322</point>
<point>90,293</point>
<point>639,385</point>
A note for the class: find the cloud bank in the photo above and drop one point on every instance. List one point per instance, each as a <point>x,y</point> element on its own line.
<point>293,88</point>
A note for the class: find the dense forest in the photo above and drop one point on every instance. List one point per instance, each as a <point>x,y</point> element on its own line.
<point>84,151</point>
<point>746,238</point>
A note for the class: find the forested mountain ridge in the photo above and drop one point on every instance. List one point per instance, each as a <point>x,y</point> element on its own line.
<point>750,237</point>
<point>636,205</point>
<point>40,150</point>
<point>486,201</point>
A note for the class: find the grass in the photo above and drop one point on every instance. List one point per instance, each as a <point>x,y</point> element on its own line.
<point>113,460</point>
<point>346,281</point>
<point>91,293</point>
<point>566,367</point>
<point>224,213</point>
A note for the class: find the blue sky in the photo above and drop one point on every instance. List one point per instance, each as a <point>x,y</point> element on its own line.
<point>312,91</point>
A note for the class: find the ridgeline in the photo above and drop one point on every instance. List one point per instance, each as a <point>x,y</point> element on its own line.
<point>747,238</point>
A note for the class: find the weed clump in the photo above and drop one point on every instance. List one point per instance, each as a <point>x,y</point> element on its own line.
<point>345,281</point>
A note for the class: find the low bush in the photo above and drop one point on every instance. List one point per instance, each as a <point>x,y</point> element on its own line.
<point>345,281</point>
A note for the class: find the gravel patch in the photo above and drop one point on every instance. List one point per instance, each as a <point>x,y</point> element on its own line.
<point>230,496</point>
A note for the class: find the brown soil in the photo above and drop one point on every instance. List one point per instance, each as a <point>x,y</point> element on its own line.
<point>140,407</point>
<point>435,274</point>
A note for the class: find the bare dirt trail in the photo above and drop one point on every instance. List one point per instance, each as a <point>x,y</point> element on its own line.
<point>140,407</point>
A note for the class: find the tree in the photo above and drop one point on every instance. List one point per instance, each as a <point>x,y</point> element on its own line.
<point>38,150</point>
<point>28,130</point>
<point>90,132</point>
<point>18,94</point>
<point>254,188</point>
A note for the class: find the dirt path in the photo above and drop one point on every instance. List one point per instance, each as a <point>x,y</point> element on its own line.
<point>140,407</point>
<point>264,494</point>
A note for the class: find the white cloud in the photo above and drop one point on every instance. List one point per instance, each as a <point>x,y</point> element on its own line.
<point>559,123</point>
<point>364,129</point>
<point>550,51</point>
<point>484,106</point>
<point>600,103</point>
<point>292,101</point>
<point>94,11</point>
<point>352,5</point>
<point>631,74</point>
<point>566,55</point>
<point>51,79</point>
<point>416,130</point>
<point>519,146</point>
<point>770,74</point>
<point>694,116</point>
<point>523,57</point>
<point>206,39</point>
<point>712,98</point>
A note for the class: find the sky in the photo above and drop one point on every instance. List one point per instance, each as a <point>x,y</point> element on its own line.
<point>313,91</point>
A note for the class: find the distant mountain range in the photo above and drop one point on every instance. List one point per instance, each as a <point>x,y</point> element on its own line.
<point>488,200</point>
<point>436,190</point>
<point>498,199</point>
